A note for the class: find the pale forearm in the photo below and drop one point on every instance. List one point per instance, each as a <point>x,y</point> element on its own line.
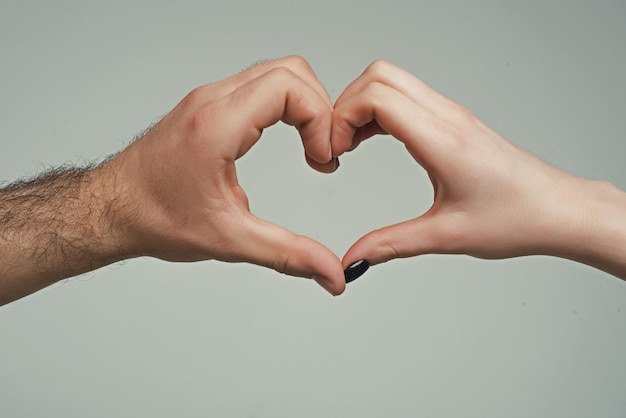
<point>598,238</point>
<point>56,226</point>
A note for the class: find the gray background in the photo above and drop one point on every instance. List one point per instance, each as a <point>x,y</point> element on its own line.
<point>434,336</point>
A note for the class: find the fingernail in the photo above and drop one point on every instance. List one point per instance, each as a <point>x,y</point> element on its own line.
<point>336,160</point>
<point>355,270</point>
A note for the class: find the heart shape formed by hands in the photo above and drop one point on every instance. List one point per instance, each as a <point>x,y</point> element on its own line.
<point>195,209</point>
<point>174,193</point>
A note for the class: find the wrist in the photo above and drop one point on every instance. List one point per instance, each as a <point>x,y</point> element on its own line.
<point>593,226</point>
<point>111,214</point>
<point>138,217</point>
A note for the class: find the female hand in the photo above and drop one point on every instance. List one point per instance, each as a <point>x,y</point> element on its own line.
<point>491,199</point>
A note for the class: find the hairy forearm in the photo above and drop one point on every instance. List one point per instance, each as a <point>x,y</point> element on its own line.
<point>58,225</point>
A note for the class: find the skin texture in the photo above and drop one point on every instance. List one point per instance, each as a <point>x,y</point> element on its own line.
<point>144,202</point>
<point>491,198</point>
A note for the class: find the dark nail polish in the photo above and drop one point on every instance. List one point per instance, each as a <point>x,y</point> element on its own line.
<point>355,270</point>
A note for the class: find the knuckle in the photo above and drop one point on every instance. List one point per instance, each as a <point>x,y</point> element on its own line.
<point>195,96</point>
<point>312,110</point>
<point>388,251</point>
<point>200,120</point>
<point>280,75</point>
<point>297,63</point>
<point>284,72</point>
<point>282,259</point>
<point>378,68</point>
<point>376,87</point>
<point>465,115</point>
<point>376,91</point>
<point>281,262</point>
<point>382,249</point>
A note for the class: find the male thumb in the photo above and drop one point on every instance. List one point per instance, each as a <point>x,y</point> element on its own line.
<point>272,246</point>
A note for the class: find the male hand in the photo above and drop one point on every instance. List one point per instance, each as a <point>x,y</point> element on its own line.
<point>179,195</point>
